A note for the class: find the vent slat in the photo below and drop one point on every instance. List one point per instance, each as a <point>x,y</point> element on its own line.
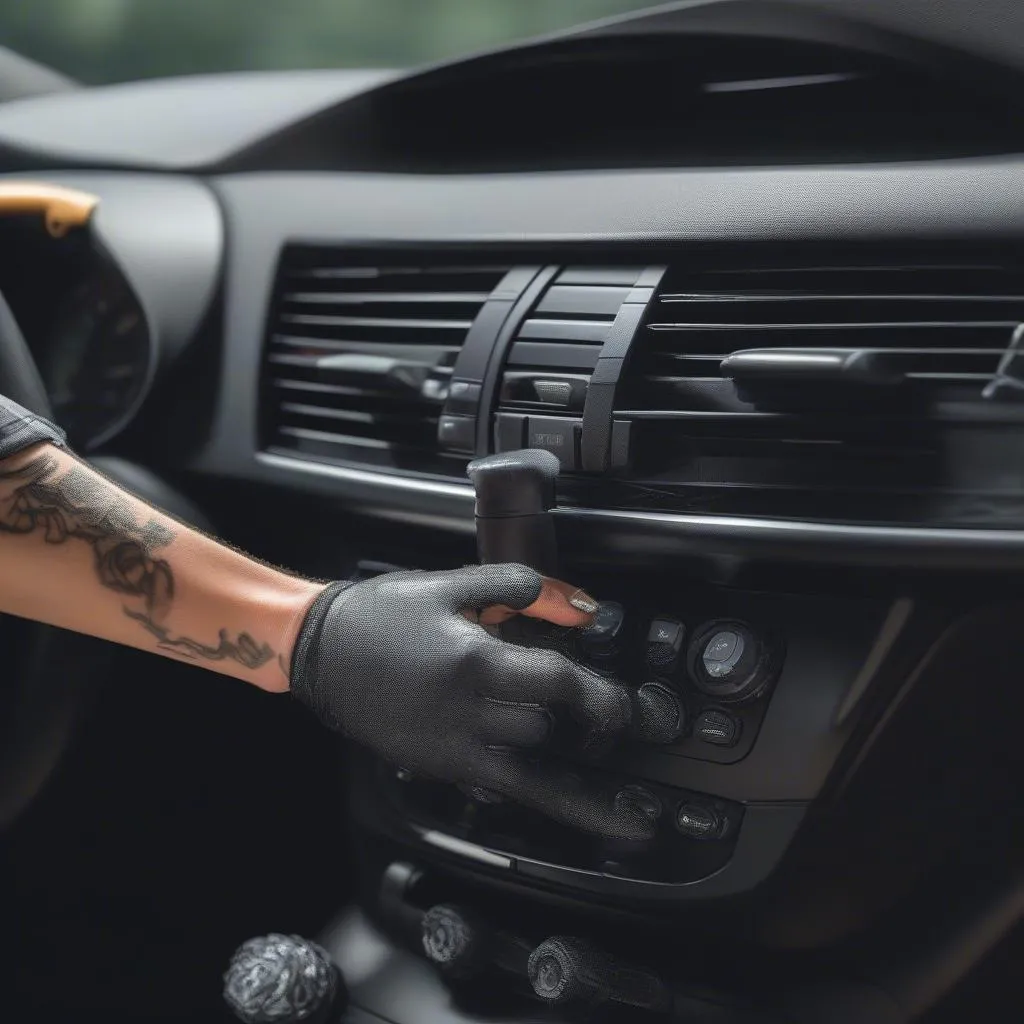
<point>582,301</point>
<point>375,321</point>
<point>324,435</point>
<point>293,345</point>
<point>331,301</point>
<point>378,298</point>
<point>567,357</point>
<point>564,330</point>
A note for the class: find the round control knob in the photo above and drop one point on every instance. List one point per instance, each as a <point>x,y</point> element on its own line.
<point>600,640</point>
<point>451,940</point>
<point>727,660</point>
<point>280,979</point>
<point>565,970</point>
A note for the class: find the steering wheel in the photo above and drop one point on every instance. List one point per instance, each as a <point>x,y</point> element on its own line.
<point>42,698</point>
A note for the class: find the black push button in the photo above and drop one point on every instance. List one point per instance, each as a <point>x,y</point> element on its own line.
<point>553,392</point>
<point>716,727</point>
<point>666,631</point>
<point>558,436</point>
<point>463,398</point>
<point>509,430</point>
<point>664,642</point>
<point>457,433</point>
<point>697,821</point>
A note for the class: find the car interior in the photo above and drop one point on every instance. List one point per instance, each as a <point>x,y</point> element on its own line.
<point>749,274</point>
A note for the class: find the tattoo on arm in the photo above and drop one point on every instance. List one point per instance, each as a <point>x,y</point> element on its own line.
<point>76,505</point>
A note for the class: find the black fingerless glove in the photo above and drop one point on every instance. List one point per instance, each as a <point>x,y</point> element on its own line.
<point>391,663</point>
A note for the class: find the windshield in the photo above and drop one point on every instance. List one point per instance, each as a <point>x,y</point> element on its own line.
<point>102,41</point>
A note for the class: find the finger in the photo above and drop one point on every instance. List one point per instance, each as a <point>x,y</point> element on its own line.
<point>510,724</point>
<point>558,602</point>
<point>657,715</point>
<point>566,797</point>
<point>601,706</point>
<point>480,586</point>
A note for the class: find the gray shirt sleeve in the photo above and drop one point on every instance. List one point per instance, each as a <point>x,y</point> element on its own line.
<point>20,429</point>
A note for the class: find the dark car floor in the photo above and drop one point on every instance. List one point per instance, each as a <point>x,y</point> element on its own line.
<point>192,812</point>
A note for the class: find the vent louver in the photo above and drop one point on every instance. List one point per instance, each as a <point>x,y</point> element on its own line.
<point>549,365</point>
<point>360,351</point>
<point>570,322</point>
<point>917,444</point>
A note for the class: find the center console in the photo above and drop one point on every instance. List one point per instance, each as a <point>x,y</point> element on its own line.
<point>763,690</point>
<point>768,689</point>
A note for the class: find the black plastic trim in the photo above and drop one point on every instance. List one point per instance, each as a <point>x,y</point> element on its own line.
<point>661,537</point>
<point>764,836</point>
<point>492,376</point>
<point>471,362</point>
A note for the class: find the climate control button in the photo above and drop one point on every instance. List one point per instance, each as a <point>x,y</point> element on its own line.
<point>601,638</point>
<point>731,662</point>
<point>698,821</point>
<point>664,643</point>
<point>717,728</point>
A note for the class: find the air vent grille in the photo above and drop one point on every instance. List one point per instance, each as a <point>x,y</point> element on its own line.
<point>360,352</point>
<point>928,448</point>
<point>948,326</point>
<point>556,348</point>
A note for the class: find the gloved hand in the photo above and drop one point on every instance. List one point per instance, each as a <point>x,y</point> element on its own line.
<point>393,664</point>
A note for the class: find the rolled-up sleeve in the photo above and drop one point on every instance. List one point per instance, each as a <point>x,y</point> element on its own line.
<point>21,429</point>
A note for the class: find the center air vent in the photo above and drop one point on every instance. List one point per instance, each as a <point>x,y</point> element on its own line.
<point>548,370</point>
<point>360,352</point>
<point>832,392</point>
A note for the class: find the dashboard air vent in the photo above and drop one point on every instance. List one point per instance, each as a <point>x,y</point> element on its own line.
<point>553,355</point>
<point>845,393</point>
<point>360,351</point>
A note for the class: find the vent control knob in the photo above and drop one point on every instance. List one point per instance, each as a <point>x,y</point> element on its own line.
<point>731,662</point>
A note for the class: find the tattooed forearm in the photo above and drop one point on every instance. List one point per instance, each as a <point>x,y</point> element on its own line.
<point>244,650</point>
<point>74,504</point>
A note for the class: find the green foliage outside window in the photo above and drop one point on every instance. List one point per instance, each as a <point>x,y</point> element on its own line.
<point>100,41</point>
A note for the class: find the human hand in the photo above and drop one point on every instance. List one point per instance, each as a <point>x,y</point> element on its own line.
<point>394,664</point>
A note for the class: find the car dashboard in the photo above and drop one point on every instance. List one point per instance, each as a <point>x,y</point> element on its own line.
<point>752,273</point>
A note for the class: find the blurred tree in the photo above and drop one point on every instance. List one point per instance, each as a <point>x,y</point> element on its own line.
<point>99,41</point>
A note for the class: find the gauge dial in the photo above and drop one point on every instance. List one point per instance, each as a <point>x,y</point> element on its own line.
<point>97,360</point>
